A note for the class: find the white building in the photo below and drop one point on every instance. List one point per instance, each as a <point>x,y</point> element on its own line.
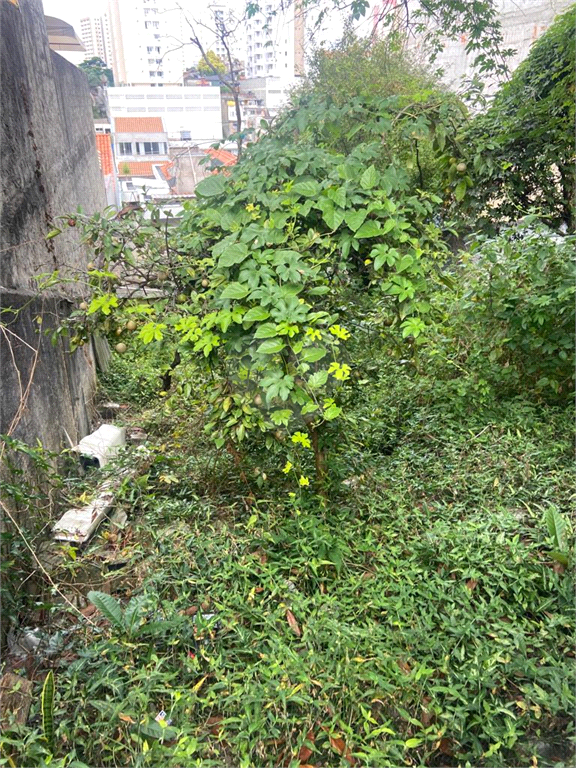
<point>191,113</point>
<point>275,41</point>
<point>95,36</point>
<point>146,40</point>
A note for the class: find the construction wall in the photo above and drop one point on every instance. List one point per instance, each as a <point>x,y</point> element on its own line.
<point>49,167</point>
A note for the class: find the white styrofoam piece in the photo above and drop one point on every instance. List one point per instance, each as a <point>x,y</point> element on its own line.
<point>103,444</point>
<point>77,525</point>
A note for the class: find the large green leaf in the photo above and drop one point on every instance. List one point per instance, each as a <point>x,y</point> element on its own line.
<point>312,354</point>
<point>354,219</point>
<point>306,188</point>
<point>108,606</point>
<point>333,217</point>
<point>266,331</point>
<point>369,178</point>
<point>271,346</point>
<point>369,229</point>
<point>256,313</point>
<point>234,291</point>
<point>211,186</point>
<point>233,254</point>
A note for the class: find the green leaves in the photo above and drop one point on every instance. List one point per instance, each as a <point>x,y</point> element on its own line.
<point>235,291</point>
<point>211,186</point>
<point>369,229</point>
<point>48,708</point>
<point>355,218</point>
<point>256,314</point>
<point>369,178</point>
<point>266,331</point>
<point>233,254</point>
<point>306,188</point>
<point>271,346</point>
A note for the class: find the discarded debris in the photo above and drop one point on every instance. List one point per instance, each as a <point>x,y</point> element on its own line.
<point>77,525</point>
<point>102,445</point>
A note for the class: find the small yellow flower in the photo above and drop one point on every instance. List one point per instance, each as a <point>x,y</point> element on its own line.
<point>287,468</point>
<point>339,332</point>
<point>314,333</point>
<point>303,481</point>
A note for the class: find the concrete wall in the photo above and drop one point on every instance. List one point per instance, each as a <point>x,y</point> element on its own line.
<point>49,167</point>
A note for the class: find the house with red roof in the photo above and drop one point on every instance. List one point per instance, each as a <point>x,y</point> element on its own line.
<point>142,159</point>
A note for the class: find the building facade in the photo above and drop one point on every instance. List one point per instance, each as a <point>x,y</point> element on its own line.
<point>188,112</point>
<point>275,41</point>
<point>96,38</point>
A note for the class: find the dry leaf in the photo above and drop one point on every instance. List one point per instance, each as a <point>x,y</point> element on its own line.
<point>126,718</point>
<point>404,666</point>
<point>305,752</point>
<point>293,624</point>
<point>339,746</point>
<point>192,611</point>
<point>471,584</point>
<point>214,723</point>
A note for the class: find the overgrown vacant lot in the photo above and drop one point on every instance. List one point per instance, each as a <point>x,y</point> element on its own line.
<point>348,541</point>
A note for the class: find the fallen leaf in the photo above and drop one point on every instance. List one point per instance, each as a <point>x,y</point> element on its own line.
<point>214,723</point>
<point>339,745</point>
<point>126,718</point>
<point>192,611</point>
<point>88,611</point>
<point>471,584</point>
<point>305,752</point>
<point>404,666</point>
<point>445,746</point>
<point>293,624</point>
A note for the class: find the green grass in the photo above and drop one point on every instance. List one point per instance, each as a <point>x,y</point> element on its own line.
<point>428,623</point>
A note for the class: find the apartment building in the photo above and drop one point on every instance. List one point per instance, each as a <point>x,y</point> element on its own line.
<point>96,37</point>
<point>275,41</point>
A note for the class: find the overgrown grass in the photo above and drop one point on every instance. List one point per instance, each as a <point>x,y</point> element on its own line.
<point>415,619</point>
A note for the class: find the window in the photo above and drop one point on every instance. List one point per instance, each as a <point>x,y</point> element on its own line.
<point>151,148</point>
<point>160,74</point>
<point>149,49</point>
<point>157,49</point>
<point>185,135</point>
<point>150,61</point>
<point>175,109</point>
<point>152,74</point>
<point>125,147</point>
<point>173,96</point>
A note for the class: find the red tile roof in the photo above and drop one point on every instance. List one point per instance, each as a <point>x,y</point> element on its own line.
<point>221,155</point>
<point>143,169</point>
<point>104,149</point>
<point>138,125</point>
<point>135,169</point>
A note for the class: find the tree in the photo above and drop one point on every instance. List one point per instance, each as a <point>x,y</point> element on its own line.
<point>211,64</point>
<point>97,72</point>
<point>522,148</point>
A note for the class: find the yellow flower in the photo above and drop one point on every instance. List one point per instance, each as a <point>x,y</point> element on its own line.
<point>304,480</point>
<point>313,333</point>
<point>287,468</point>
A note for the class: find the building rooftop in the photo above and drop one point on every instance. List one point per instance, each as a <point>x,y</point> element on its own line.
<point>138,125</point>
<point>104,149</point>
<point>142,169</point>
<point>221,156</point>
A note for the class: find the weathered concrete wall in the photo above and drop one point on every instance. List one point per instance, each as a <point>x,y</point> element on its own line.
<point>49,167</point>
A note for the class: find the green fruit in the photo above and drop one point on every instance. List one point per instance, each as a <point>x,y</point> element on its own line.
<point>182,298</point>
<point>83,306</point>
<point>131,325</point>
<point>121,348</point>
<point>119,331</point>
<point>461,167</point>
<point>90,265</point>
<point>205,283</point>
<point>258,400</point>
